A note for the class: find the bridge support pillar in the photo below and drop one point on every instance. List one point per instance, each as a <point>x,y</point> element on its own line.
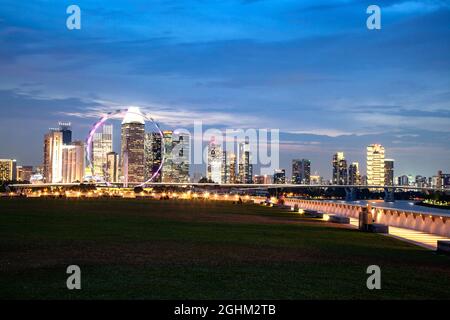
<point>351,194</point>
<point>389,195</point>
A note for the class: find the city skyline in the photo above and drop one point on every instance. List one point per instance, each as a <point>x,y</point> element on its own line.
<point>300,67</point>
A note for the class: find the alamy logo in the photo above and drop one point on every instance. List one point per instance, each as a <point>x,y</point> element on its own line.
<point>74,280</point>
<point>374,280</point>
<point>74,20</point>
<point>374,20</point>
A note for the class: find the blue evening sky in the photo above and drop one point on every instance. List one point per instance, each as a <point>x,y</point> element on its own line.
<point>309,68</point>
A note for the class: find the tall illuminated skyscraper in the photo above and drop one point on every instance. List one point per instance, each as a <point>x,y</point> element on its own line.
<point>340,169</point>
<point>102,145</point>
<point>375,165</point>
<point>301,171</point>
<point>181,149</point>
<point>8,169</point>
<point>132,146</point>
<point>73,157</point>
<point>153,155</point>
<point>53,146</point>
<point>388,172</point>
<point>66,129</point>
<point>215,161</point>
<point>245,165</point>
<point>354,177</point>
<point>167,168</point>
<point>112,167</point>
<point>228,167</point>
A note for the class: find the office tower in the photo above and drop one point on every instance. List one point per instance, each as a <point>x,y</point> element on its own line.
<point>339,169</point>
<point>73,156</point>
<point>24,173</point>
<point>167,169</point>
<point>153,155</point>
<point>181,149</point>
<point>102,144</point>
<point>112,167</point>
<point>388,172</point>
<point>354,177</point>
<point>214,161</point>
<point>279,176</point>
<point>53,143</point>
<point>375,165</point>
<point>439,183</point>
<point>65,128</point>
<point>8,169</point>
<point>228,167</point>
<point>132,146</point>
<point>245,166</point>
<point>403,180</point>
<point>301,171</point>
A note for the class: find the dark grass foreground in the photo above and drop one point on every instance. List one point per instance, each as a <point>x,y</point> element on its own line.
<point>139,249</point>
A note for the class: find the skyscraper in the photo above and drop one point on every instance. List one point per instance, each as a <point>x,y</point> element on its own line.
<point>73,157</point>
<point>53,143</point>
<point>375,165</point>
<point>388,172</point>
<point>228,167</point>
<point>245,165</point>
<point>215,161</point>
<point>66,129</point>
<point>8,169</point>
<point>167,169</point>
<point>153,155</point>
<point>112,167</point>
<point>279,176</point>
<point>301,171</point>
<point>181,156</point>
<point>102,145</point>
<point>354,177</point>
<point>132,146</point>
<point>339,169</point>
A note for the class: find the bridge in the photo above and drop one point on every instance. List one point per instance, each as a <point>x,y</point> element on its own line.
<point>350,190</point>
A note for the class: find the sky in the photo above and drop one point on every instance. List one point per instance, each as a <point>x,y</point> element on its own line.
<point>309,68</point>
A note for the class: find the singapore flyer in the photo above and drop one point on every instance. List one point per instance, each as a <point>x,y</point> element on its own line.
<point>132,147</point>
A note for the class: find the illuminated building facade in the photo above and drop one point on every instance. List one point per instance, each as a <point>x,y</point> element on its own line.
<point>153,155</point>
<point>229,162</point>
<point>73,164</point>
<point>181,147</point>
<point>279,176</point>
<point>388,172</point>
<point>24,173</point>
<point>340,176</point>
<point>102,145</point>
<point>301,171</point>
<point>215,161</point>
<point>132,146</point>
<point>53,146</point>
<point>375,165</point>
<point>354,177</point>
<point>245,169</point>
<point>8,169</point>
<point>112,167</point>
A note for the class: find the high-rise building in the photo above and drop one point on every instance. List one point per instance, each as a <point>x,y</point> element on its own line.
<point>66,129</point>
<point>132,146</point>
<point>375,165</point>
<point>403,180</point>
<point>73,156</point>
<point>301,171</point>
<point>181,156</point>
<point>354,177</point>
<point>215,161</point>
<point>339,169</point>
<point>153,155</point>
<point>112,167</point>
<point>388,172</point>
<point>102,144</point>
<point>176,157</point>
<point>53,145</point>
<point>228,167</point>
<point>8,169</point>
<point>279,176</point>
<point>24,173</point>
<point>245,165</point>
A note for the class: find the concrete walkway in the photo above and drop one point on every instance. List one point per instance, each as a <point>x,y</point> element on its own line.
<point>419,238</point>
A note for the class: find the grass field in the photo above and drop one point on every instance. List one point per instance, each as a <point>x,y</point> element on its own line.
<point>150,249</point>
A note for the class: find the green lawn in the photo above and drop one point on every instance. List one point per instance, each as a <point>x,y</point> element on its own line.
<point>143,249</point>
